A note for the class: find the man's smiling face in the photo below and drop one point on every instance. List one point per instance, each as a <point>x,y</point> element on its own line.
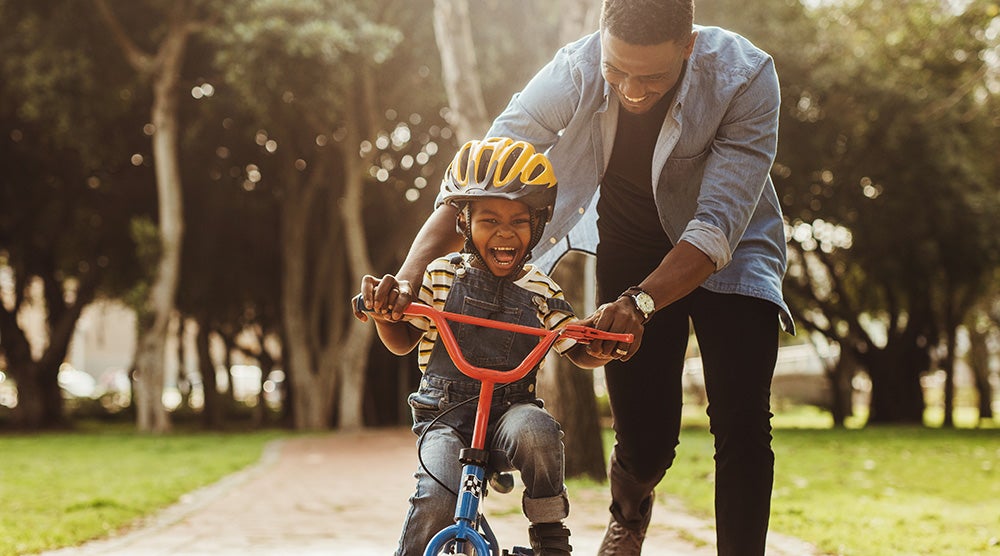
<point>641,74</point>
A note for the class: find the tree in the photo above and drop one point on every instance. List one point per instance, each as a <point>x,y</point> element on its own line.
<point>453,32</point>
<point>68,193</point>
<point>321,114</point>
<point>878,178</point>
<point>569,392</point>
<point>162,69</point>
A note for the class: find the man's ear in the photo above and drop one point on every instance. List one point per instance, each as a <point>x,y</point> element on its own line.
<point>460,222</point>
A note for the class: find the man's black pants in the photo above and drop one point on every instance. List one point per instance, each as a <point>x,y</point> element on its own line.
<point>738,339</point>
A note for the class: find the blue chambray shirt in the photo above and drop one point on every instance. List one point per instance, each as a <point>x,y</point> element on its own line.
<point>711,164</point>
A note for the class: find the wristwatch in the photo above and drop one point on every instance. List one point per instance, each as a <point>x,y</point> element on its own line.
<point>642,301</point>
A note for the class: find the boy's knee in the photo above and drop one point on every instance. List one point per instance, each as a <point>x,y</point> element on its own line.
<point>541,434</point>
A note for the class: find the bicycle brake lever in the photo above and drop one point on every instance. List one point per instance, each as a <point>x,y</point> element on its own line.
<point>586,334</point>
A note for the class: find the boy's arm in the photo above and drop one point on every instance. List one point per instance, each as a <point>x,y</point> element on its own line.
<point>385,305</point>
<point>399,337</point>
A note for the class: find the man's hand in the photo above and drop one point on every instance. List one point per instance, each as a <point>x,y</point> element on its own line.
<point>619,316</point>
<point>387,297</point>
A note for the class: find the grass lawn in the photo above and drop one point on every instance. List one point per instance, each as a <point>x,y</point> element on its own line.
<point>61,489</point>
<point>872,491</point>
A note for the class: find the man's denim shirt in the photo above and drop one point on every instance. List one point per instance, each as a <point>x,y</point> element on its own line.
<point>711,165</point>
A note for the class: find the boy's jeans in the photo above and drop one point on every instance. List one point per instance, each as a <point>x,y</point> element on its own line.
<point>524,439</point>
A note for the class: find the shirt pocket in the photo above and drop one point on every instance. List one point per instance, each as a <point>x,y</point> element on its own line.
<point>681,183</point>
<point>482,346</point>
<point>426,403</point>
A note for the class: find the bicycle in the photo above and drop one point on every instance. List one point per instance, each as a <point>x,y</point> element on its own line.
<point>471,527</point>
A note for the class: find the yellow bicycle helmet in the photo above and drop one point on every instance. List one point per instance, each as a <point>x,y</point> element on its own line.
<point>500,167</point>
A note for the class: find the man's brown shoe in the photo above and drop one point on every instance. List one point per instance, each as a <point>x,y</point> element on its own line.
<point>622,541</point>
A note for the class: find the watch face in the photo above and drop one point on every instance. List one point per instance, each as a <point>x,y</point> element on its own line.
<point>644,302</point>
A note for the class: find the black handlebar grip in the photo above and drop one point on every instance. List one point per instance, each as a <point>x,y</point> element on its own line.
<point>359,304</point>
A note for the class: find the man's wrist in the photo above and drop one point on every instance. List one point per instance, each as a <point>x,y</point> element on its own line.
<point>641,301</point>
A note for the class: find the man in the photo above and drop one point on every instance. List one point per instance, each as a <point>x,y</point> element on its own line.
<point>676,127</point>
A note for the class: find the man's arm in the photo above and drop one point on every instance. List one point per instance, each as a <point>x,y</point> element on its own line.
<point>436,238</point>
<point>683,269</point>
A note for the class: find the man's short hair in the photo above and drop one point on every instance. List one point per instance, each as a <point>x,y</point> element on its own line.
<point>647,22</point>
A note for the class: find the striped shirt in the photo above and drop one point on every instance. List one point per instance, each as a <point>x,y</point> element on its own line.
<point>440,275</point>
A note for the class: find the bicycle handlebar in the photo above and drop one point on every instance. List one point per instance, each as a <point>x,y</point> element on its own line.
<point>580,333</point>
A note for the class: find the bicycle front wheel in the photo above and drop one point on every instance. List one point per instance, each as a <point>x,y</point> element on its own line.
<point>446,543</point>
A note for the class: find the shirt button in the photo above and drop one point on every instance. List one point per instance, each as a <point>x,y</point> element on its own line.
<point>581,210</point>
<point>553,240</point>
<point>531,388</point>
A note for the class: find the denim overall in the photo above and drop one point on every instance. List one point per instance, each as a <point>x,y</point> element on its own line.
<point>521,434</point>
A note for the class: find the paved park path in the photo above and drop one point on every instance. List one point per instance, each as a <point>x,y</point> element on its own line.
<point>344,494</point>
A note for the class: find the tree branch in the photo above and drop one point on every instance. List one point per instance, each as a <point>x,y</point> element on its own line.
<point>141,61</point>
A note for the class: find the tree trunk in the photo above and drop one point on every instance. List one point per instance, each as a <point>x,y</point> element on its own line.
<point>841,388</point>
<point>352,359</point>
<point>453,33</point>
<point>40,402</point>
<point>165,71</point>
<point>266,364</point>
<point>948,365</point>
<point>311,386</point>
<point>212,413</point>
<point>568,390</point>
<point>897,397</point>
<point>979,360</point>
<point>578,17</point>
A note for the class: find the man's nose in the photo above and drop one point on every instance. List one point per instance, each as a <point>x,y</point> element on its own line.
<point>632,87</point>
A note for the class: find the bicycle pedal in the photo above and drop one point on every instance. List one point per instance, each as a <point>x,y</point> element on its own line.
<point>502,483</point>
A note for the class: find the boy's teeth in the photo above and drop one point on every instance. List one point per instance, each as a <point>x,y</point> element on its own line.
<point>507,253</point>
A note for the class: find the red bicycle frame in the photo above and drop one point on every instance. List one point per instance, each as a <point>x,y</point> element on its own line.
<point>489,377</point>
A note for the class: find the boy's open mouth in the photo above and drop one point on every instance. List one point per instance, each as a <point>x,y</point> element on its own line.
<point>503,256</point>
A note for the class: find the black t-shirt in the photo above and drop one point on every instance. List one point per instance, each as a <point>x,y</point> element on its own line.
<point>627,216</point>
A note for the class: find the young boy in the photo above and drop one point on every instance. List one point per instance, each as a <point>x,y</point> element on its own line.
<point>505,193</point>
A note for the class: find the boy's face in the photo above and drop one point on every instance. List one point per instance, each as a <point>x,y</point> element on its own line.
<point>501,231</point>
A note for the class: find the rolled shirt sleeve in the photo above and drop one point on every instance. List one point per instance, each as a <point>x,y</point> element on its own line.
<point>710,240</point>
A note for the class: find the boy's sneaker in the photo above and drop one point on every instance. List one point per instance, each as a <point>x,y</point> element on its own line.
<point>549,539</point>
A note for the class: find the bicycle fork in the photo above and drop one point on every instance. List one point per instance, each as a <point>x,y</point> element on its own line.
<point>471,490</point>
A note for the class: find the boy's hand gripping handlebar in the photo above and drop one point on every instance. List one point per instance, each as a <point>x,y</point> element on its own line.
<point>489,377</point>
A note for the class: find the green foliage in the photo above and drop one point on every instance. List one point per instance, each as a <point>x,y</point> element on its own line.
<point>305,48</point>
<point>870,491</point>
<point>888,109</point>
<point>63,489</point>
